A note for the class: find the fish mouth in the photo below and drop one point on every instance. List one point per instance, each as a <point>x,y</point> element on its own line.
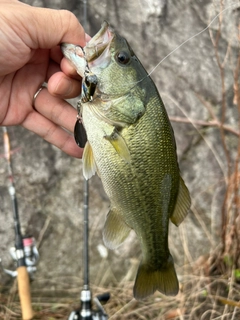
<point>97,45</point>
<point>94,54</point>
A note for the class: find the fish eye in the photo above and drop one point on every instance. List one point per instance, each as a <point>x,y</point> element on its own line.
<point>122,57</point>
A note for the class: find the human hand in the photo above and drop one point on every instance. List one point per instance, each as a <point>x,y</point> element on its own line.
<point>29,55</point>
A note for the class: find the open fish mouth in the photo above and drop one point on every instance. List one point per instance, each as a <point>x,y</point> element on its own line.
<point>95,53</point>
<point>96,46</point>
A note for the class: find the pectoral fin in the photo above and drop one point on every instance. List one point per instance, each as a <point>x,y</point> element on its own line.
<point>89,164</point>
<point>119,145</point>
<point>115,230</point>
<point>182,204</point>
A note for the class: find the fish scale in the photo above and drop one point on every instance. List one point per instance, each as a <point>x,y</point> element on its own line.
<point>131,146</point>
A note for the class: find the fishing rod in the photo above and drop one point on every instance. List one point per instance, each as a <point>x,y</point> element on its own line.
<point>86,311</point>
<point>25,252</point>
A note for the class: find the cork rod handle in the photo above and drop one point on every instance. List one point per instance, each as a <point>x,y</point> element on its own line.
<point>24,293</point>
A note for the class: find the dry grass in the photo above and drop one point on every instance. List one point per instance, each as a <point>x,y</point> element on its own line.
<point>200,298</point>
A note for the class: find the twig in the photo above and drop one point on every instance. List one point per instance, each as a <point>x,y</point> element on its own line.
<point>213,123</point>
<point>237,177</point>
<point>42,232</point>
<point>211,147</point>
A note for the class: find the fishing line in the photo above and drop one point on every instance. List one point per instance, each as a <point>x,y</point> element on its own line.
<point>236,4</point>
<point>195,35</point>
<point>133,84</point>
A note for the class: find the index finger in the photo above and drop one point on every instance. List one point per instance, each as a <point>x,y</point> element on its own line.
<point>62,26</point>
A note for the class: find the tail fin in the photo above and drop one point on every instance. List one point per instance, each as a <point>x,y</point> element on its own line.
<point>149,280</point>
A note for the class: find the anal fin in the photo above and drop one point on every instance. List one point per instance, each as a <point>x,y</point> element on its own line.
<point>115,230</point>
<point>182,205</point>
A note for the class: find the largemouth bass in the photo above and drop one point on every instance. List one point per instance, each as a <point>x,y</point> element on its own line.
<point>131,145</point>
